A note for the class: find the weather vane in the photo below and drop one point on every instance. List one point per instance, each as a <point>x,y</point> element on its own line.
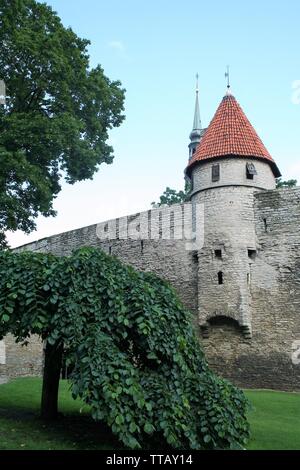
<point>228,77</point>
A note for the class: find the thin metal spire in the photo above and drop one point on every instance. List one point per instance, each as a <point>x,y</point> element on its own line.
<point>197,132</point>
<point>197,119</point>
<point>227,75</point>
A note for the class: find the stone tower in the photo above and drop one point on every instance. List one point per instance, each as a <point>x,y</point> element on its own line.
<point>229,164</point>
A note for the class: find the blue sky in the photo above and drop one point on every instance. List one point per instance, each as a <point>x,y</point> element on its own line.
<point>155,48</point>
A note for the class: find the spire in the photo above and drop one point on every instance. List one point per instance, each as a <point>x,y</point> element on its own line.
<point>231,134</point>
<point>197,132</point>
<point>197,119</point>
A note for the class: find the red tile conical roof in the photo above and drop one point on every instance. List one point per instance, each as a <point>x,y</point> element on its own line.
<point>231,134</point>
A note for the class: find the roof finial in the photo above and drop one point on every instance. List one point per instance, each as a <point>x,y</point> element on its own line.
<point>227,75</point>
<point>197,85</point>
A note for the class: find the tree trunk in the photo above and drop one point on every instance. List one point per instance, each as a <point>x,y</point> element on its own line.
<point>51,376</point>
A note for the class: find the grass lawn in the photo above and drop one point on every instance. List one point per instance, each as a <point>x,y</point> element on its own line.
<point>274,420</point>
<point>21,427</point>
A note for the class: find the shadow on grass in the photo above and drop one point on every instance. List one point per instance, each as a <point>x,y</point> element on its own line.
<point>67,432</point>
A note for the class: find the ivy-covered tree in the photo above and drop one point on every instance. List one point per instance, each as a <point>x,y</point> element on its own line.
<point>57,115</point>
<point>135,357</point>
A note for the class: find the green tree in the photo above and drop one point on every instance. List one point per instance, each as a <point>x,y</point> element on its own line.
<point>57,116</point>
<point>171,196</point>
<point>136,358</point>
<point>285,184</point>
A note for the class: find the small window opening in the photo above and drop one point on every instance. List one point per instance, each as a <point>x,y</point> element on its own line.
<point>250,171</point>
<point>215,172</point>
<point>252,254</point>
<point>109,250</point>
<point>266,225</point>
<point>193,151</point>
<point>218,254</point>
<point>220,277</point>
<point>142,246</point>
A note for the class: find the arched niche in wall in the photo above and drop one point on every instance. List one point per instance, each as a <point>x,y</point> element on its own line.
<point>220,320</point>
<point>222,337</point>
<point>225,324</point>
<point>225,345</point>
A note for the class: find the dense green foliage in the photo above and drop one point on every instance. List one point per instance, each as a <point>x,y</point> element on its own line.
<point>171,196</point>
<point>57,115</point>
<point>136,358</point>
<point>285,184</point>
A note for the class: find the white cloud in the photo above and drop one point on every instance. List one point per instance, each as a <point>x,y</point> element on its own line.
<point>120,49</point>
<point>117,45</point>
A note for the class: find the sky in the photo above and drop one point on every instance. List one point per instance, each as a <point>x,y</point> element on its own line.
<point>155,48</point>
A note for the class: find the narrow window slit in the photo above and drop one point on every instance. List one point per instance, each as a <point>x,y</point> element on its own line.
<point>215,172</point>
<point>265,225</point>
<point>252,254</point>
